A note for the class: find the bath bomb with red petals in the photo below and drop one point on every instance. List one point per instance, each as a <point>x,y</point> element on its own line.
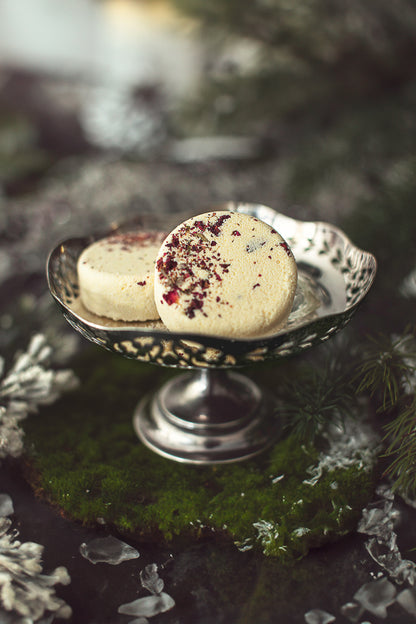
<point>225,274</point>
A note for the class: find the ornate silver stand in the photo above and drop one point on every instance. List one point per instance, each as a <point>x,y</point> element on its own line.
<point>212,414</point>
<point>206,417</point>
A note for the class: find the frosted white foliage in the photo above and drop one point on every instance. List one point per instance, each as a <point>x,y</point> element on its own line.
<point>27,385</point>
<point>26,594</point>
<point>12,618</point>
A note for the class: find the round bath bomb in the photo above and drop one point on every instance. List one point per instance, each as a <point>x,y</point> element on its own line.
<point>116,276</point>
<point>225,274</point>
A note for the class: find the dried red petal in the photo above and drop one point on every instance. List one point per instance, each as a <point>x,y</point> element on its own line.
<point>286,248</point>
<point>171,297</point>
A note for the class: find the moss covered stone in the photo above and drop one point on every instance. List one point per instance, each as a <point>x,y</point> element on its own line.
<point>86,459</point>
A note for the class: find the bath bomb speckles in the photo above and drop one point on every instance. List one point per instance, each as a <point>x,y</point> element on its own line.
<point>116,276</point>
<point>225,274</point>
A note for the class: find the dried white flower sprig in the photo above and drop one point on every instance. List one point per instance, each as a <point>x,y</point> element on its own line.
<point>27,385</point>
<point>26,594</point>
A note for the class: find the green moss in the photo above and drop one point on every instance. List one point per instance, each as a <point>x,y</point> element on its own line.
<point>87,460</point>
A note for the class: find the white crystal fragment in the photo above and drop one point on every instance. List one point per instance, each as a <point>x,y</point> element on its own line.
<point>379,522</point>
<point>108,550</point>
<point>407,600</point>
<point>376,596</point>
<point>6,505</point>
<point>388,557</point>
<point>148,606</point>
<point>151,580</point>
<point>352,611</point>
<point>317,616</point>
<point>385,491</point>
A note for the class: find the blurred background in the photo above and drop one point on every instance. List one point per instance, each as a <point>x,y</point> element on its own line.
<point>108,107</point>
<point>113,107</point>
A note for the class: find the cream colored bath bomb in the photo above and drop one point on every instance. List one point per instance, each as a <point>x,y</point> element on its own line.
<point>116,276</point>
<point>225,274</point>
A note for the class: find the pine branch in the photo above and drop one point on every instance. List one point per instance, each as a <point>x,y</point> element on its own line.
<point>317,398</point>
<point>388,373</point>
<point>401,433</point>
<point>387,364</point>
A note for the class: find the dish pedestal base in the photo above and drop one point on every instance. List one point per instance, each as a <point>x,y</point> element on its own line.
<point>207,417</point>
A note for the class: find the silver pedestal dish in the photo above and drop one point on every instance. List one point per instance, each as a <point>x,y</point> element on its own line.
<point>212,414</point>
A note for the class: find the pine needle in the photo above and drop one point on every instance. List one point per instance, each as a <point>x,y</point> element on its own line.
<point>317,398</point>
<point>401,434</point>
<point>388,373</point>
<point>387,363</point>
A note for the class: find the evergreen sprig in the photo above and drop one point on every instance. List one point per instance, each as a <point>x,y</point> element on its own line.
<point>316,398</point>
<point>387,364</point>
<point>385,370</point>
<point>401,432</point>
<point>388,374</point>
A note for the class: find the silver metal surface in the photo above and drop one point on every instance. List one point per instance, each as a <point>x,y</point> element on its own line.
<point>207,417</point>
<point>199,418</point>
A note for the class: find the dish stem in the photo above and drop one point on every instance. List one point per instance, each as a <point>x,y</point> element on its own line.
<point>207,417</point>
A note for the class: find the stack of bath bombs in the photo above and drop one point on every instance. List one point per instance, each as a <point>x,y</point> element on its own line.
<point>219,273</point>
